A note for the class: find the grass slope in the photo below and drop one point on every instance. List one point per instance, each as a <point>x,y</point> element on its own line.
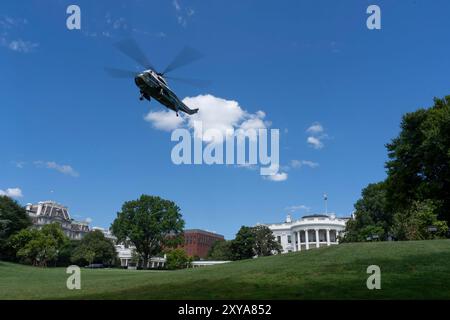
<point>409,270</point>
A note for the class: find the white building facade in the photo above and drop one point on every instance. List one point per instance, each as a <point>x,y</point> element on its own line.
<point>312,231</point>
<point>46,212</point>
<point>125,252</point>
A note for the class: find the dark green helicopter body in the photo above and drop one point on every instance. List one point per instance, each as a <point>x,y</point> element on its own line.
<point>153,84</point>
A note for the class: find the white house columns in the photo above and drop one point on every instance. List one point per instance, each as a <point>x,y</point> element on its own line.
<point>317,238</point>
<point>307,239</point>
<point>311,231</point>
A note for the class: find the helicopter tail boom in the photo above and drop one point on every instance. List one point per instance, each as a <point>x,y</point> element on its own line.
<point>190,111</point>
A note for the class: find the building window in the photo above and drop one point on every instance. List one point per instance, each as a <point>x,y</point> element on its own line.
<point>279,239</point>
<point>289,239</point>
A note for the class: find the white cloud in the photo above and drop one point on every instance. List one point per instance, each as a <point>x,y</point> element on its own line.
<point>64,169</point>
<point>301,163</point>
<point>310,164</point>
<point>222,115</point>
<point>214,113</point>
<point>292,209</point>
<point>316,135</point>
<point>315,142</point>
<point>8,26</point>
<point>315,128</point>
<point>113,27</point>
<point>12,193</point>
<point>296,163</point>
<point>255,121</point>
<point>19,164</point>
<point>20,45</point>
<point>164,120</point>
<point>7,22</point>
<point>176,5</point>
<point>218,117</point>
<point>281,176</point>
<point>182,14</point>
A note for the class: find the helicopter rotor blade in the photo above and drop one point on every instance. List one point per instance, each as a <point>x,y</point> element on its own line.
<point>198,83</point>
<point>120,73</point>
<point>130,48</point>
<point>186,56</point>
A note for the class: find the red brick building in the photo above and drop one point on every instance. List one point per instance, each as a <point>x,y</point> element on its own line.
<point>198,242</point>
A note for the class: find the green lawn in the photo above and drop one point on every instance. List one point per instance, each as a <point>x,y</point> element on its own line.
<point>409,270</point>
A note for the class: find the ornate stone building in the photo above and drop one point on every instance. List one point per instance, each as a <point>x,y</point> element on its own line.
<point>311,231</point>
<point>46,212</point>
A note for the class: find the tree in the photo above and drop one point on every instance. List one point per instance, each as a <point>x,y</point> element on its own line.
<point>13,218</point>
<point>220,250</point>
<point>177,259</point>
<point>419,160</point>
<point>151,224</point>
<point>253,241</point>
<point>54,231</point>
<point>66,252</point>
<point>39,247</point>
<point>265,243</point>
<point>94,248</point>
<point>415,222</point>
<point>372,216</point>
<point>20,240</point>
<point>417,187</point>
<point>243,244</point>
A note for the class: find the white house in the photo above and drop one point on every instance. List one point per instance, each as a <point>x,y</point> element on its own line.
<point>311,231</point>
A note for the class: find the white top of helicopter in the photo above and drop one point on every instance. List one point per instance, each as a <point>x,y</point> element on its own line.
<point>158,77</point>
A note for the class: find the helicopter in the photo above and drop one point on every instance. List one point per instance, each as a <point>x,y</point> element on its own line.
<point>153,84</point>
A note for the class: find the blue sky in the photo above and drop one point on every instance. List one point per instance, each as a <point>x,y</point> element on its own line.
<point>72,134</point>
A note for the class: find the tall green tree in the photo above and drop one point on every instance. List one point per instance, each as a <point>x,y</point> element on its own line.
<point>243,244</point>
<point>13,218</point>
<point>150,223</point>
<point>372,215</point>
<point>419,160</point>
<point>253,241</point>
<point>94,248</point>
<point>265,243</point>
<point>39,247</point>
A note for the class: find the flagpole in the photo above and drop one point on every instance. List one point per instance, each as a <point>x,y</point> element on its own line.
<point>325,197</point>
